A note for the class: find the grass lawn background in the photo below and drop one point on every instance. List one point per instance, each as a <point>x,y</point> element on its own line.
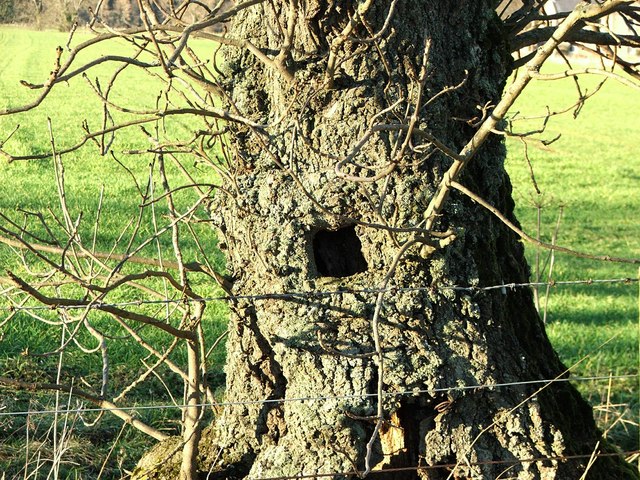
<point>31,186</point>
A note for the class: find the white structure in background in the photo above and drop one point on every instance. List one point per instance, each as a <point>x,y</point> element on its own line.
<point>614,22</point>
<point>559,6</point>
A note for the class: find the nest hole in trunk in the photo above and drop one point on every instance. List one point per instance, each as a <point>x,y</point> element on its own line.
<point>338,253</point>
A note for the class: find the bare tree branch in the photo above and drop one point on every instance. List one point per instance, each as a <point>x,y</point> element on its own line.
<point>537,35</point>
<point>68,302</point>
<point>582,12</point>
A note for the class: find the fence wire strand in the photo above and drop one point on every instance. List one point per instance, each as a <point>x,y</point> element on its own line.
<point>504,287</point>
<point>313,399</point>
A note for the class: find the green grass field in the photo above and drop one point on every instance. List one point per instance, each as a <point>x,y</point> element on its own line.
<point>593,172</point>
<point>31,186</point>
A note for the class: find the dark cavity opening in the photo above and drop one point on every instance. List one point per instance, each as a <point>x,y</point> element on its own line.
<point>338,253</point>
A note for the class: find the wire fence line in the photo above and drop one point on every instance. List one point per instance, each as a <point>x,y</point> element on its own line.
<point>501,288</point>
<point>320,294</point>
<point>504,287</point>
<point>313,399</point>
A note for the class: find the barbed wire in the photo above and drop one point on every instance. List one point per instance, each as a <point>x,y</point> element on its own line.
<point>342,290</point>
<point>414,392</point>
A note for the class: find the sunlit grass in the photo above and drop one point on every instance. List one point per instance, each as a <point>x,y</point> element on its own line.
<point>92,179</point>
<point>593,173</point>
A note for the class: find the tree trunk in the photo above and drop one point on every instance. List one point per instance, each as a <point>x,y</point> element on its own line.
<point>297,221</point>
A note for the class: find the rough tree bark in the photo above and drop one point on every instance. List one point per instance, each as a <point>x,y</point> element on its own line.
<point>295,222</point>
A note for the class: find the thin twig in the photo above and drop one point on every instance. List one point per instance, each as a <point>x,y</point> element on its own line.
<point>529,238</point>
